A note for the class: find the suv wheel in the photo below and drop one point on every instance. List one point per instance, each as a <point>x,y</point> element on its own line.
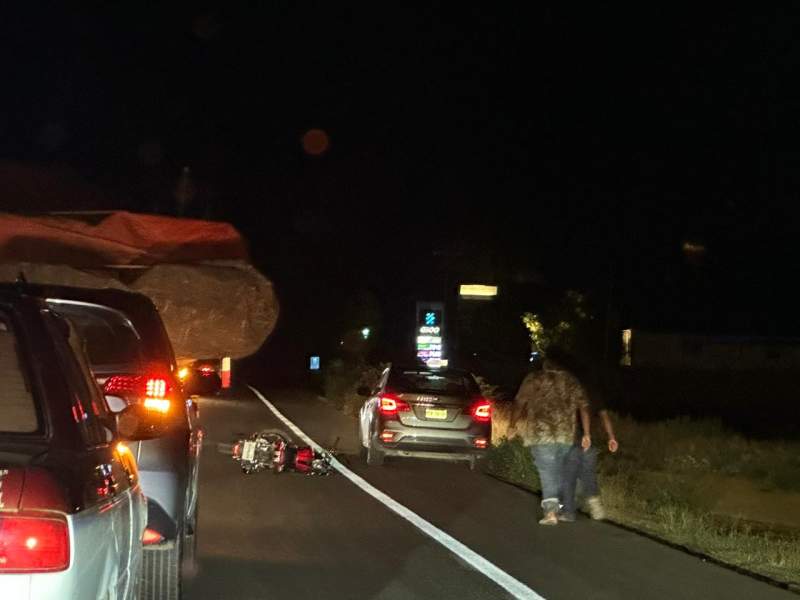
<point>161,571</point>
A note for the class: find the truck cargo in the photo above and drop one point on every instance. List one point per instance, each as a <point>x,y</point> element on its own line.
<point>213,302</point>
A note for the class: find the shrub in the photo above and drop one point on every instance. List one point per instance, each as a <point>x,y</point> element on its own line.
<point>512,461</point>
<point>342,379</point>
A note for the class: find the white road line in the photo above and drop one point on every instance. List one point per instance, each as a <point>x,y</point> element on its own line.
<point>515,587</point>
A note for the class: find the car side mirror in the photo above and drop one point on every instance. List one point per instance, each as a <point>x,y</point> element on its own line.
<point>363,391</point>
<point>115,403</point>
<point>136,423</point>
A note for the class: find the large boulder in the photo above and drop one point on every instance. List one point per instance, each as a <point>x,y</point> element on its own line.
<point>213,302</point>
<point>211,309</point>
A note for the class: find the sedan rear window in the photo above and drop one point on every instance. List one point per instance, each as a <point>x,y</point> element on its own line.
<point>437,382</point>
<point>17,406</point>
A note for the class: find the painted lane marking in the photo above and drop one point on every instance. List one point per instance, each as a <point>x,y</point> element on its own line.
<point>513,586</point>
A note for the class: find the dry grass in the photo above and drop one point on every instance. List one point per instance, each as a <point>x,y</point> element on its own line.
<point>658,483</point>
<point>699,446</point>
<point>646,505</point>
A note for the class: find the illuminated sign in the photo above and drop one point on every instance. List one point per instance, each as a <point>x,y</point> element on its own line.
<point>477,292</point>
<point>314,363</point>
<point>430,333</point>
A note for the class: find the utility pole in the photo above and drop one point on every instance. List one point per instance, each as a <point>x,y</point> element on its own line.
<point>184,192</point>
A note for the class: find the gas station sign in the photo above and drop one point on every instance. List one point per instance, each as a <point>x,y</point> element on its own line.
<point>430,333</point>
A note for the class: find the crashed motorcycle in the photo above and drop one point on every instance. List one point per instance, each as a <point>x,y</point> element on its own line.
<point>272,450</point>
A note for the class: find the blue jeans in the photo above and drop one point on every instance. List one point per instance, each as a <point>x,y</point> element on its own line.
<point>579,465</point>
<point>549,460</point>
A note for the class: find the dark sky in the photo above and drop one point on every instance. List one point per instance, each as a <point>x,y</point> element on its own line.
<point>587,145</point>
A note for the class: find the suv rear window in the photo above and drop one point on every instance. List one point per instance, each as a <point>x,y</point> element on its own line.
<point>437,382</point>
<point>110,339</point>
<point>17,406</point>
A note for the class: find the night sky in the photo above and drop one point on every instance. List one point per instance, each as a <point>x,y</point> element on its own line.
<point>583,148</point>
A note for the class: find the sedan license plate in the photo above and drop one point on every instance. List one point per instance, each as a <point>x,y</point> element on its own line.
<point>248,450</point>
<point>435,413</point>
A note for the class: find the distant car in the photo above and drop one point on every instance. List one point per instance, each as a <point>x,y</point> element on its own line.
<point>425,413</point>
<point>72,511</point>
<point>131,356</point>
<point>202,377</point>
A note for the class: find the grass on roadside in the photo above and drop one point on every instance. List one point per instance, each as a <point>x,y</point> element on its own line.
<point>655,483</point>
<point>702,446</point>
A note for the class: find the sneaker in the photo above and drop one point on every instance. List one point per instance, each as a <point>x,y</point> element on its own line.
<point>549,519</point>
<point>596,510</point>
<point>566,517</point>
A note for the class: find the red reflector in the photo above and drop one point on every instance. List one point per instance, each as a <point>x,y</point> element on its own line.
<point>31,544</point>
<point>391,405</point>
<point>482,411</point>
<point>481,443</point>
<point>151,536</point>
<point>303,459</point>
<point>387,436</point>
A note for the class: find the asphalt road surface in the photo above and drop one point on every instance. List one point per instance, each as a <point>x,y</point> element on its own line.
<point>291,536</point>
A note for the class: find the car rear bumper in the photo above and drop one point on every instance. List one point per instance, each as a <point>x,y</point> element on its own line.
<point>448,455</point>
<point>445,444</point>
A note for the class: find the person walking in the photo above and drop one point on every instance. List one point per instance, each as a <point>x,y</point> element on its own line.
<point>580,463</point>
<point>546,404</point>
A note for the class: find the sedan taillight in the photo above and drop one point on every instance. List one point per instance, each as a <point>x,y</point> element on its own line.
<point>33,544</point>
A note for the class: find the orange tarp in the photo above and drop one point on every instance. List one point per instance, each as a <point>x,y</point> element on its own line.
<point>120,238</point>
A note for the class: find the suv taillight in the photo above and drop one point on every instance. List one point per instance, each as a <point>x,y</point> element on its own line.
<point>33,544</point>
<point>151,536</point>
<point>124,386</point>
<point>153,392</point>
<point>391,405</point>
<point>481,411</point>
<point>155,397</point>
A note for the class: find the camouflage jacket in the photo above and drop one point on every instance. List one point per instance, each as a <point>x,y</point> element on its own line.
<point>545,406</point>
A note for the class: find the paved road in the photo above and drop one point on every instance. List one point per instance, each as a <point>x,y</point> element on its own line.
<point>289,536</point>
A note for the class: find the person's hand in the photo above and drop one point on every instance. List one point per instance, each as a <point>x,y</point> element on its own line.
<point>586,442</point>
<point>613,446</point>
